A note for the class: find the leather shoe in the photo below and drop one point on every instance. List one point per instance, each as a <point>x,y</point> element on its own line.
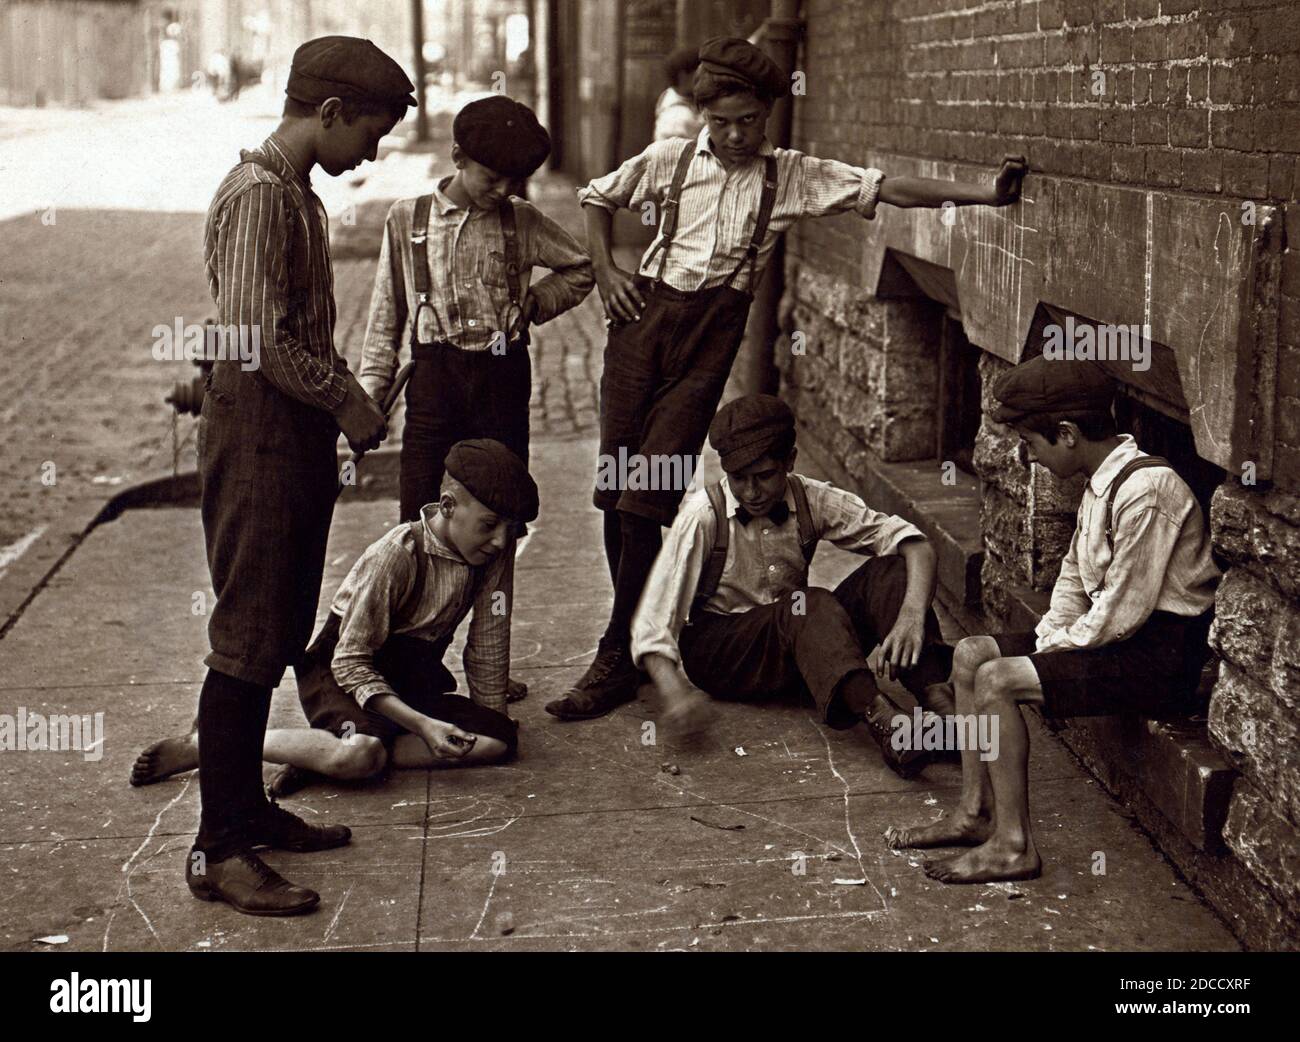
<point>284,831</point>
<point>249,885</point>
<point>906,763</point>
<point>609,681</point>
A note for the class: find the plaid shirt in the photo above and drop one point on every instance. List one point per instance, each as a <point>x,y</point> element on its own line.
<point>376,599</point>
<point>718,207</point>
<point>764,560</point>
<point>247,245</point>
<point>1161,560</point>
<point>467,279</point>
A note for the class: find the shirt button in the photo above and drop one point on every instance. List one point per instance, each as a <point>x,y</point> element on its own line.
<point>472,322</point>
<point>771,567</point>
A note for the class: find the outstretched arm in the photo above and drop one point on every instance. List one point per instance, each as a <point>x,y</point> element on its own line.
<point>929,191</point>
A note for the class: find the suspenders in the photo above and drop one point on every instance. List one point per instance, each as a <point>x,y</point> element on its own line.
<point>420,263</point>
<point>672,203</point>
<point>1132,465</point>
<point>1139,463</point>
<point>412,597</point>
<point>713,567</point>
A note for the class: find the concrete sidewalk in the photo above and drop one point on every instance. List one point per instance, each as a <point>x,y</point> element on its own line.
<point>585,842</point>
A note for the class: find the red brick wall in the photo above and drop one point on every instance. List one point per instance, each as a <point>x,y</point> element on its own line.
<point>1199,97</point>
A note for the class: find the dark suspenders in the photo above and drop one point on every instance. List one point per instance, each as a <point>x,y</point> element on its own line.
<point>1140,463</point>
<point>717,560</point>
<point>672,204</point>
<point>420,261</point>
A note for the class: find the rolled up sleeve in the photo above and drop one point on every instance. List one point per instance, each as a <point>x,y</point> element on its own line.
<point>828,186</point>
<point>669,592</point>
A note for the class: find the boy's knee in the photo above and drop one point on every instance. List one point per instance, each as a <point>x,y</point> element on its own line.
<point>993,687</point>
<point>361,756</point>
<point>973,652</point>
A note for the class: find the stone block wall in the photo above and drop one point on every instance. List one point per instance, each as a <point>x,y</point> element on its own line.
<point>1198,98</point>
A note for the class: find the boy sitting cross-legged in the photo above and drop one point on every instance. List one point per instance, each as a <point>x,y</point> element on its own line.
<point>727,609</point>
<point>373,684</point>
<point>1128,623</point>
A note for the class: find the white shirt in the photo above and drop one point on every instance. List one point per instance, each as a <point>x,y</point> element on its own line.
<point>764,559</point>
<point>1161,559</point>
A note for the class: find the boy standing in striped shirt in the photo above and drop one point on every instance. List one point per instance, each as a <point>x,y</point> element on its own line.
<point>267,447</point>
<point>675,325</point>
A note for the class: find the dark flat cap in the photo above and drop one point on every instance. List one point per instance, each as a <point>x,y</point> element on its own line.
<point>1043,385</point>
<point>495,476</point>
<point>729,59</point>
<point>502,134</point>
<point>346,67</point>
<point>748,428</point>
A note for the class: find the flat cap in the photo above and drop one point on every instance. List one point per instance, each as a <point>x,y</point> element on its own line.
<point>495,476</point>
<point>729,59</point>
<point>346,67</point>
<point>748,428</point>
<point>502,134</point>
<point>1043,385</point>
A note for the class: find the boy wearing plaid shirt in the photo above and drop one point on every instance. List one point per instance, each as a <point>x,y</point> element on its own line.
<point>676,325</point>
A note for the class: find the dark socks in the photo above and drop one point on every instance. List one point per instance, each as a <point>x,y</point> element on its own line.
<point>232,728</point>
<point>613,543</point>
<point>640,539</point>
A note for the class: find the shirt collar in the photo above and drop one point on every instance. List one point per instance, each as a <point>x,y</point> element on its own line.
<point>1126,450</point>
<point>434,546</point>
<point>440,198</point>
<point>280,156</point>
<point>733,504</point>
<point>703,143</point>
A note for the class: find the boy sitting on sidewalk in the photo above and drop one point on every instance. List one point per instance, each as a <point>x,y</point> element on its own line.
<point>1128,624</point>
<point>728,609</point>
<point>723,199</point>
<point>373,684</point>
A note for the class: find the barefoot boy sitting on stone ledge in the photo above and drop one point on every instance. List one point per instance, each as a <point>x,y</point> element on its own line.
<point>728,609</point>
<point>1128,623</point>
<point>373,684</point>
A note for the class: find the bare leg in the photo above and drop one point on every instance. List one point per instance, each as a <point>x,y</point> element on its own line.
<point>165,758</point>
<point>1009,853</point>
<point>411,751</point>
<point>971,823</point>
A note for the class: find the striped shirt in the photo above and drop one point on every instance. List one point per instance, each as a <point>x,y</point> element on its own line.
<point>719,207</point>
<point>465,251</point>
<point>376,599</point>
<point>256,224</point>
<point>1161,560</point>
<point>764,560</point>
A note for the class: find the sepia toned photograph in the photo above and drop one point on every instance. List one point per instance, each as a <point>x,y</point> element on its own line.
<point>734,476</point>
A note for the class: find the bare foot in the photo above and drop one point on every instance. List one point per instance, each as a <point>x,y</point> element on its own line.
<point>689,712</point>
<point>961,830</point>
<point>163,759</point>
<point>288,779</point>
<point>988,863</point>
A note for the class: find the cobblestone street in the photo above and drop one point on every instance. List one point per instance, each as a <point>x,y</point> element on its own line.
<point>81,396</point>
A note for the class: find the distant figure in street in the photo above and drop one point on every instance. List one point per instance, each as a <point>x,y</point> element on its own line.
<point>373,684</point>
<point>267,447</point>
<point>675,111</point>
<point>1126,631</point>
